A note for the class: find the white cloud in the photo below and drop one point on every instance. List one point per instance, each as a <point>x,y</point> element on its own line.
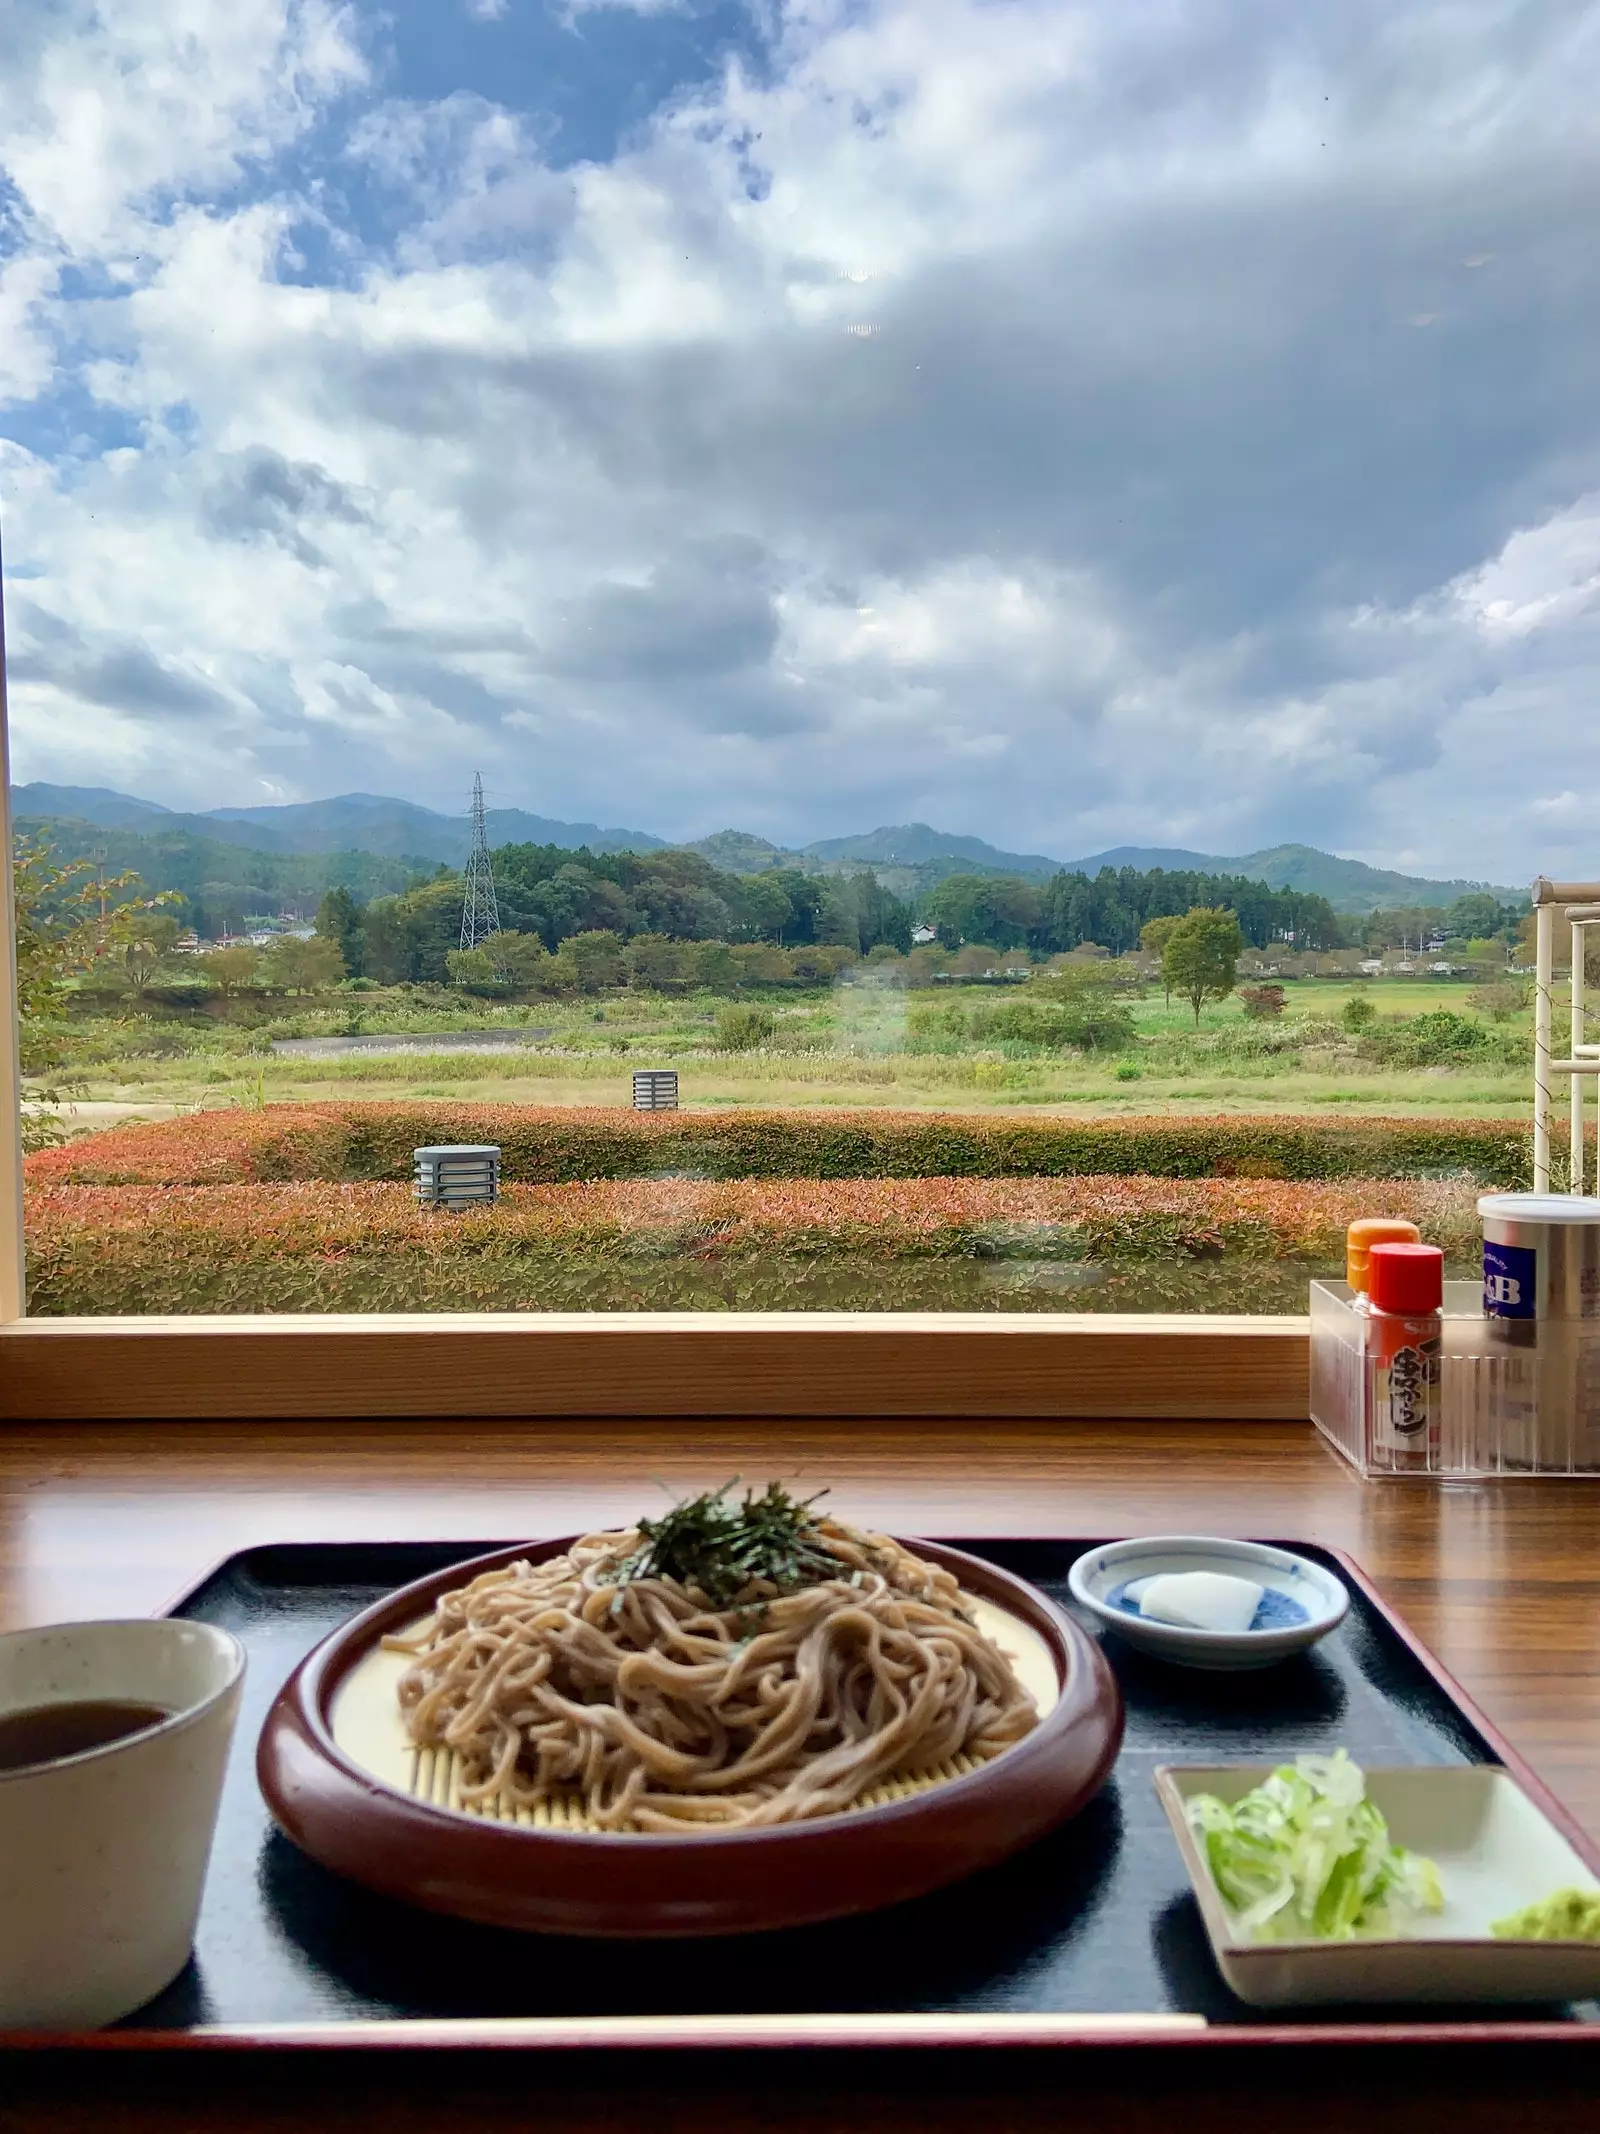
<point>1143,512</point>
<point>120,102</point>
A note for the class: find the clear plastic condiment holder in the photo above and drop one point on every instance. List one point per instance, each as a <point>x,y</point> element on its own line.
<point>1520,1400</point>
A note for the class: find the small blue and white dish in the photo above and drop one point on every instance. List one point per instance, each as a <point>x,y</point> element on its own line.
<point>1300,1602</point>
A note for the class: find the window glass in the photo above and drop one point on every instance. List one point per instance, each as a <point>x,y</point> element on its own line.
<point>963,586</point>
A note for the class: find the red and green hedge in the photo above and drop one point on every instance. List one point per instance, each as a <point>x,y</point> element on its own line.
<point>98,1249</point>
<point>550,1145</point>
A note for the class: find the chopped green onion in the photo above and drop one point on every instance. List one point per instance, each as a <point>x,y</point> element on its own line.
<point>1307,1857</point>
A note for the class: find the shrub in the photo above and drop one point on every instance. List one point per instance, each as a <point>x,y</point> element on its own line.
<point>1025,1022</point>
<point>357,1141</point>
<point>1358,1012</point>
<point>1262,1001</point>
<point>1436,1039</point>
<point>1060,1015</point>
<point>91,1250</point>
<point>1502,1000</point>
<point>1092,1005</point>
<point>940,1025</point>
<point>741,1029</point>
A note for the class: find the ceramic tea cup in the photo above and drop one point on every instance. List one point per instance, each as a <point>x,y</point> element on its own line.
<point>113,1741</point>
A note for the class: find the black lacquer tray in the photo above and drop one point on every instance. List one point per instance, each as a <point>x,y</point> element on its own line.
<point>1088,1936</point>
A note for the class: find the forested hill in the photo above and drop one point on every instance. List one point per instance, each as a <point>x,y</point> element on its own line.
<point>1348,885</point>
<point>221,884</point>
<point>907,858</point>
<point>549,890</point>
<point>350,822</point>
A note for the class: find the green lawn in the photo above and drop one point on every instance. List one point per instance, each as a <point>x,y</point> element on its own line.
<point>1323,998</point>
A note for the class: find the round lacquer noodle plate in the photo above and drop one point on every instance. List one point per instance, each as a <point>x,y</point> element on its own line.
<point>347,1787</point>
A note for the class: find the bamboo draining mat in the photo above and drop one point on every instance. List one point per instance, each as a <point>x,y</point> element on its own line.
<point>368,1727</point>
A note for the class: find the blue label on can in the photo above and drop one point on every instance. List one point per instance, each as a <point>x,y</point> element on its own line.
<point>1510,1281</point>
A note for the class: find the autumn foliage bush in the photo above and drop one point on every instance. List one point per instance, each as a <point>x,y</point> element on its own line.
<point>367,1142</point>
<point>180,1248</point>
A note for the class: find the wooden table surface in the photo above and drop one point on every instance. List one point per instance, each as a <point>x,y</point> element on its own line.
<point>1502,1580</point>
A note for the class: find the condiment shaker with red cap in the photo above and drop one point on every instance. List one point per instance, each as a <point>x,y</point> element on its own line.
<point>1405,1331</point>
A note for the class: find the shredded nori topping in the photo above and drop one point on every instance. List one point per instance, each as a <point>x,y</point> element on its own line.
<point>724,1548</point>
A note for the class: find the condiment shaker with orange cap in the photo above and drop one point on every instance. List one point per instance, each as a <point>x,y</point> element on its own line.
<point>1405,1332</point>
<point>1362,1235</point>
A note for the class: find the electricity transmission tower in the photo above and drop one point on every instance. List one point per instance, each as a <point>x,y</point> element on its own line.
<point>480,908</point>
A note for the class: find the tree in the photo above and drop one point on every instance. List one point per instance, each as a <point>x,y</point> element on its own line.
<point>339,921</point>
<point>304,966</point>
<point>820,965</point>
<point>761,909</point>
<point>1478,915</point>
<point>1409,926</point>
<point>995,911</point>
<point>1153,938</point>
<point>710,964</point>
<point>655,964</point>
<point>757,963</point>
<point>507,963</point>
<point>408,937</point>
<point>806,900</point>
<point>597,957</point>
<point>865,914</point>
<point>60,932</point>
<point>64,926</point>
<point>145,948</point>
<point>1201,958</point>
<point>234,968</point>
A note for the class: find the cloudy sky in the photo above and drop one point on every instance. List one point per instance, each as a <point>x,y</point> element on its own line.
<point>1069,421</point>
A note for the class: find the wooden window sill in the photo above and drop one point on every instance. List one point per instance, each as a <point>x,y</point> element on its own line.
<point>657,1364</point>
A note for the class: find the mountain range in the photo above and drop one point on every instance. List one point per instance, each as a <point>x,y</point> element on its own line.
<point>354,822</point>
<point>908,858</point>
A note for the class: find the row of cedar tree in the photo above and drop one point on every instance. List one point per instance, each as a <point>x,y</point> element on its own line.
<point>549,895</point>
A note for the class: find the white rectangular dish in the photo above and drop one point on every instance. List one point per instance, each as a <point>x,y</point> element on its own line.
<point>1495,1852</point>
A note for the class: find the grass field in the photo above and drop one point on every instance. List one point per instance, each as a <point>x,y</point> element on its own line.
<point>850,1047</point>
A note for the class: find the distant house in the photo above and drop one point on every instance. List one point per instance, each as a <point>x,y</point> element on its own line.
<point>1372,965</point>
<point>262,930</point>
<point>922,936</point>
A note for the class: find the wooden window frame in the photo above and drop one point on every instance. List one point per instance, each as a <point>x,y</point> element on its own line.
<point>642,1364</point>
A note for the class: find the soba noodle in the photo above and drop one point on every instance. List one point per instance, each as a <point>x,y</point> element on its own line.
<point>665,1713</point>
